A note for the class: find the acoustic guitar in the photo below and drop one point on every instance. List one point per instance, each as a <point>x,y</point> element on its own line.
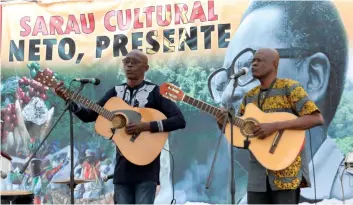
<point>275,152</point>
<point>139,149</point>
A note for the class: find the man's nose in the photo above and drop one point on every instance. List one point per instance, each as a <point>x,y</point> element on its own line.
<point>129,65</point>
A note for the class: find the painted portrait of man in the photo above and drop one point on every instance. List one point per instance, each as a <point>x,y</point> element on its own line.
<point>313,47</point>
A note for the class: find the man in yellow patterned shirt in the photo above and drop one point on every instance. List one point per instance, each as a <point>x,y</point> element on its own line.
<point>278,95</point>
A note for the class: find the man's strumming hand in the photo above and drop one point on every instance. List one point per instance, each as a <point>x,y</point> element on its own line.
<point>136,128</point>
<point>264,130</point>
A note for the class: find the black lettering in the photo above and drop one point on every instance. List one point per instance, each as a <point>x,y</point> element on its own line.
<point>168,42</point>
<point>191,40</point>
<point>102,43</point>
<point>153,42</point>
<point>207,30</point>
<point>136,40</point>
<point>120,42</point>
<point>72,49</point>
<point>49,51</point>
<point>223,35</point>
<point>16,51</point>
<point>33,54</point>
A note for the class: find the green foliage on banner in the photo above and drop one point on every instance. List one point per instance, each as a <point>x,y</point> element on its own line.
<point>345,144</point>
<point>190,76</point>
<point>340,126</point>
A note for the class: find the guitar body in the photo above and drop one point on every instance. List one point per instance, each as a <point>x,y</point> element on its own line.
<point>141,150</point>
<point>289,144</point>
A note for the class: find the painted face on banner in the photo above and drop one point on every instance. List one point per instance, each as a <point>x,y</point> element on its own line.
<point>258,30</point>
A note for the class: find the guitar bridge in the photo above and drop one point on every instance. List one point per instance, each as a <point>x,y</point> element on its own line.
<point>276,141</point>
<point>113,132</point>
<point>134,137</point>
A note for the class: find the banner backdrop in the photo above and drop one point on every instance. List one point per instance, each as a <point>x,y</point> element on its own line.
<point>187,43</point>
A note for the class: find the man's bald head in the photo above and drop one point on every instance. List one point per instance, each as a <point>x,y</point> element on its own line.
<point>138,55</point>
<point>265,63</point>
<point>270,54</point>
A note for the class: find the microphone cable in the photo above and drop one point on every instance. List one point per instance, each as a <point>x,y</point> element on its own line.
<point>172,170</point>
<point>312,162</point>
<point>342,188</point>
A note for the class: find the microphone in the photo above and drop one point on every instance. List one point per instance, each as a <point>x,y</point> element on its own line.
<point>106,178</point>
<point>3,175</point>
<point>94,81</point>
<point>243,71</point>
<point>349,161</point>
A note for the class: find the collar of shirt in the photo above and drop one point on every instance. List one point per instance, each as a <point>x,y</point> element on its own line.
<point>136,86</point>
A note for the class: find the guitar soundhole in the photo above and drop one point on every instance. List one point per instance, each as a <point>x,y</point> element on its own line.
<point>119,121</point>
<point>248,127</point>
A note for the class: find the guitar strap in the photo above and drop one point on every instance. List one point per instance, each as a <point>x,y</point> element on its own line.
<point>269,90</point>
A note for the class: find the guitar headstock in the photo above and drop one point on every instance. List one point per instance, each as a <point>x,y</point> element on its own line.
<point>171,92</point>
<point>46,78</point>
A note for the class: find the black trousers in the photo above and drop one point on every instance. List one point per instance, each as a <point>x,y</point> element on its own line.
<point>274,197</point>
<point>141,193</point>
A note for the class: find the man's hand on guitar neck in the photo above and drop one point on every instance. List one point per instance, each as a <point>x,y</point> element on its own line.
<point>59,91</point>
<point>136,128</point>
<point>220,118</point>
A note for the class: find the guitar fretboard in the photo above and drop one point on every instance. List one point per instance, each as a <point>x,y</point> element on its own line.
<point>90,104</point>
<point>209,108</point>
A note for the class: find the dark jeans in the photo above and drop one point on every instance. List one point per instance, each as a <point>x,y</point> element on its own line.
<point>274,197</point>
<point>141,193</point>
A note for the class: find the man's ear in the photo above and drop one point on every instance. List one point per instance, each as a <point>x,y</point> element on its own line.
<point>275,64</point>
<point>147,67</point>
<point>318,75</point>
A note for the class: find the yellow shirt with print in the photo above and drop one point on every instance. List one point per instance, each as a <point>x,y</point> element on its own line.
<point>286,95</point>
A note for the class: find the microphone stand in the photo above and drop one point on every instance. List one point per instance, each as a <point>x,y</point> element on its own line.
<point>72,180</point>
<point>230,118</point>
<point>72,186</point>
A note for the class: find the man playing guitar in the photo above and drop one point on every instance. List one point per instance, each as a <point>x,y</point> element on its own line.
<point>135,184</point>
<point>277,95</point>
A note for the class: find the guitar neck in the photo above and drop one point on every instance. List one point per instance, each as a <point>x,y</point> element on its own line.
<point>90,104</point>
<point>212,110</point>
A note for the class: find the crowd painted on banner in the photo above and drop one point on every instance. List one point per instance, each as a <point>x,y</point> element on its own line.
<point>173,39</point>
